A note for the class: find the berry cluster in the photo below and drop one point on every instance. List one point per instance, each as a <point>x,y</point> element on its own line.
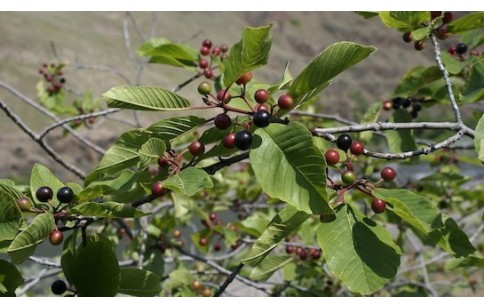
<point>208,57</point>
<point>197,286</point>
<point>53,76</point>
<point>349,178</point>
<point>440,32</point>
<point>304,253</point>
<point>210,233</point>
<point>403,103</point>
<point>459,51</point>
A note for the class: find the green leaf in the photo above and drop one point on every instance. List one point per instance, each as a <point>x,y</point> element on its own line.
<point>479,138</point>
<point>296,163</point>
<point>283,224</point>
<point>266,268</point>
<point>452,239</point>
<point>151,44</point>
<point>171,128</point>
<point>10,278</point>
<point>415,79</point>
<point>358,251</point>
<point>413,209</point>
<point>24,244</point>
<point>468,22</point>
<point>474,90</point>
<point>10,216</point>
<point>10,189</point>
<point>144,98</point>
<point>163,51</point>
<point>283,83</point>
<point>328,64</point>
<point>400,140</point>
<point>404,21</point>
<point>250,53</point>
<point>42,176</point>
<point>189,181</point>
<point>420,33</point>
<point>465,262</point>
<point>150,150</point>
<point>371,116</point>
<point>180,277</point>
<point>138,282</point>
<point>367,14</point>
<point>107,210</point>
<point>95,270</point>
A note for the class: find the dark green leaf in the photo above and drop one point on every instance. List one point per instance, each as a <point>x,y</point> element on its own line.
<point>24,244</point>
<point>10,278</point>
<point>358,251</point>
<point>250,53</point>
<point>328,64</point>
<point>107,210</point>
<point>171,128</point>
<point>415,79</point>
<point>452,239</point>
<point>10,216</point>
<point>144,98</point>
<point>283,224</point>
<point>474,88</point>
<point>189,181</point>
<point>138,282</point>
<point>296,163</point>
<point>468,22</point>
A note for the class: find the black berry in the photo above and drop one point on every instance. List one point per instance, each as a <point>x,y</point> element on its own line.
<point>344,142</point>
<point>65,195</point>
<point>461,48</point>
<point>58,287</point>
<point>222,121</point>
<point>44,194</point>
<point>262,118</point>
<point>243,140</point>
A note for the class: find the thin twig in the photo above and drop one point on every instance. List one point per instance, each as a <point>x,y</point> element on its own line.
<point>229,280</point>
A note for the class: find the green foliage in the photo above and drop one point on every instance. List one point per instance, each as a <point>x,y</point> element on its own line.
<point>401,140</point>
<point>469,22</point>
<point>404,21</point>
<point>473,90</point>
<point>10,278</point>
<point>9,216</point>
<point>479,139</point>
<point>161,50</point>
<point>189,181</point>
<point>107,210</point>
<point>138,282</point>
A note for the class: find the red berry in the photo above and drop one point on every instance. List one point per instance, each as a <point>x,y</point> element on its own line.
<point>387,105</point>
<point>289,249</point>
<point>196,148</point>
<point>222,121</point>
<point>357,148</point>
<point>204,51</point>
<point>332,157</point>
<point>217,247</point>
<point>56,237</point>
<point>435,14</point>
<point>448,17</point>
<point>285,102</point>
<point>244,79</point>
<point>208,73</point>
<point>378,206</point>
<point>229,141</point>
<point>224,96</point>
<point>203,241</point>
<point>163,162</point>
<point>388,174</point>
<point>261,96</point>
<point>442,33</point>
<point>207,43</point>
<point>314,253</point>
<point>216,51</point>
<point>212,216</point>
<point>158,190</point>
<point>262,107</point>
<point>203,63</point>
<point>452,50</point>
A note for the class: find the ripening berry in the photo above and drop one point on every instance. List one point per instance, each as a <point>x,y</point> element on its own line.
<point>378,206</point>
<point>332,157</point>
<point>388,174</point>
<point>261,96</point>
<point>357,148</point>
<point>196,148</point>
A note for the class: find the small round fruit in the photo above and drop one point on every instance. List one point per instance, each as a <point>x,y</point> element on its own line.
<point>314,253</point>
<point>224,96</point>
<point>332,157</point>
<point>224,48</point>
<point>58,287</point>
<point>196,285</point>
<point>419,45</point>
<point>261,96</point>
<point>203,63</point>
<point>448,17</point>
<point>208,73</point>
<point>357,147</point>
<point>348,177</point>
<point>177,233</point>
<point>207,43</point>
<point>212,216</point>
<point>378,206</point>
<point>217,247</point>
<point>24,204</point>
<point>204,88</point>
<point>406,102</point>
<point>289,249</point>
<point>452,50</point>
<point>65,195</point>
<point>262,118</point>
<point>229,141</point>
<point>435,14</point>
<point>44,194</point>
<point>387,105</point>
<point>204,51</point>
<point>285,102</point>
<point>262,107</point>
<point>196,148</point>
<point>158,190</point>
<point>244,79</point>
<point>222,121</point>
<point>163,162</point>
<point>442,33</point>
<point>216,51</point>
<point>243,140</point>
<point>56,237</point>
<point>388,174</point>
<point>344,142</point>
<point>461,48</point>
<point>206,292</point>
<point>203,241</point>
<point>407,37</point>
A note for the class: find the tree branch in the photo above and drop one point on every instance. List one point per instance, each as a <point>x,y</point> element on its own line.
<point>229,280</point>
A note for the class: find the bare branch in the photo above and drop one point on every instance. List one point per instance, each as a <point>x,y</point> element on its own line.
<point>229,280</point>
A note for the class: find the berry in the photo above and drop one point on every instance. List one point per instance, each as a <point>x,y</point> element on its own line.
<point>24,203</point>
<point>298,251</point>
<point>262,107</point>
<point>416,107</point>
<point>289,249</point>
<point>452,50</point>
<point>447,17</point>
<point>261,96</point>
<point>387,105</point>
<point>203,63</point>
<point>217,247</point>
<point>244,79</point>
<point>203,241</point>
<point>435,14</point>
<point>163,162</point>
<point>397,102</point>
<point>229,141</point>
<point>65,195</point>
<point>442,33</point>
<point>406,102</point>
<point>407,37</point>
<point>224,48</point>
<point>216,51</point>
<point>58,287</point>
<point>388,174</point>
<point>222,121</point>
<point>419,45</point>
<point>158,190</point>
<point>212,216</point>
<point>243,140</point>
<point>206,292</point>
<point>196,148</point>
<point>177,233</point>
<point>208,73</point>
<point>348,177</point>
<point>224,96</point>
<point>303,255</point>
<point>56,237</point>
<point>378,206</point>
<point>332,157</point>
<point>461,48</point>
<point>314,253</point>
<point>262,118</point>
<point>285,102</point>
<point>344,142</point>
<point>44,194</point>
<point>204,51</point>
<point>204,88</point>
<point>357,148</point>
<point>196,285</point>
<point>207,43</point>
